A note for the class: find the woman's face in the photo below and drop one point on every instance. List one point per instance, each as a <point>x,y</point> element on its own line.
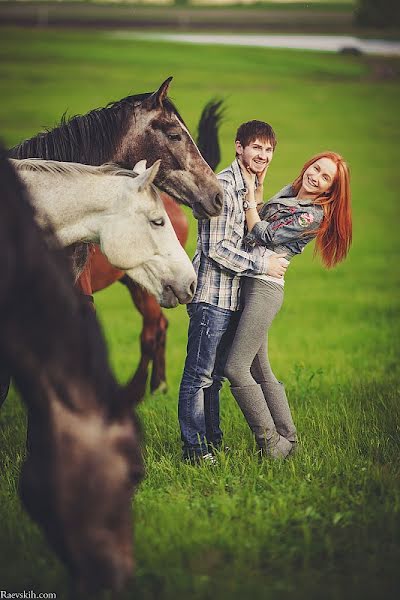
<point>319,177</point>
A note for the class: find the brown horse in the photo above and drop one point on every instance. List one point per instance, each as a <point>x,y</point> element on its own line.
<point>99,274</point>
<point>84,459</point>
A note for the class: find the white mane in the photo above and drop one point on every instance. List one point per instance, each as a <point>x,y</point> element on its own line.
<point>65,168</point>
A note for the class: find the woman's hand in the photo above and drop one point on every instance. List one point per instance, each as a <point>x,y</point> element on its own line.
<point>260,188</point>
<point>261,176</point>
<point>248,176</point>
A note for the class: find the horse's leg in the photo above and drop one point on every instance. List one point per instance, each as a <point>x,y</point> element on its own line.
<point>158,381</point>
<point>153,336</point>
<point>154,332</point>
<point>152,340</point>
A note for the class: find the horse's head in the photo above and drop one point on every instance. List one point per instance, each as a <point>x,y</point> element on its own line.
<point>77,483</point>
<point>158,132</point>
<point>140,240</point>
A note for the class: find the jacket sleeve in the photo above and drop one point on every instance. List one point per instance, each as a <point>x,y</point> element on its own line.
<point>222,244</point>
<point>300,225</point>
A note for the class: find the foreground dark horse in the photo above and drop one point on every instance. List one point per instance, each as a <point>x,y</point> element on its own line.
<point>99,274</point>
<point>84,457</point>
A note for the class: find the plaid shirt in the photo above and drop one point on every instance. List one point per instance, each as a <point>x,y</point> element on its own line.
<point>220,259</point>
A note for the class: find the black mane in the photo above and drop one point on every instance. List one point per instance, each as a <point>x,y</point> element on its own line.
<point>90,139</point>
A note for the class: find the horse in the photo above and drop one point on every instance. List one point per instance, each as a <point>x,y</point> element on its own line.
<point>84,456</point>
<point>99,274</point>
<point>142,126</point>
<point>119,209</point>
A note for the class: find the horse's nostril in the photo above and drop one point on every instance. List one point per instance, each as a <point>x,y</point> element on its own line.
<point>192,288</point>
<point>218,200</point>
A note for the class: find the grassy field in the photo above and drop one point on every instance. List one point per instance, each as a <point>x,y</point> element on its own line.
<point>324,524</point>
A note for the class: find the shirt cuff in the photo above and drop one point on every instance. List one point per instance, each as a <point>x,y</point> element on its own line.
<point>262,265</point>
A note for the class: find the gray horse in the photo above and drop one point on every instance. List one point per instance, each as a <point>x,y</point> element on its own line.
<point>120,210</point>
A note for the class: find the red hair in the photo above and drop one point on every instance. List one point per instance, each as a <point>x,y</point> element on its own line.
<point>334,235</point>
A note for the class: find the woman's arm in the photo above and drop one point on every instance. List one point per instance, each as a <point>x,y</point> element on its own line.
<point>300,225</point>
<point>260,187</point>
<point>254,196</point>
<point>252,217</point>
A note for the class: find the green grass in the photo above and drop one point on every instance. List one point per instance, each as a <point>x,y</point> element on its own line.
<point>324,524</point>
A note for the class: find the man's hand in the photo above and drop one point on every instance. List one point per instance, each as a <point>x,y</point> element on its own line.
<point>277,265</point>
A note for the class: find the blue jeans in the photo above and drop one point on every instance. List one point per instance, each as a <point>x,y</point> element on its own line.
<point>211,332</point>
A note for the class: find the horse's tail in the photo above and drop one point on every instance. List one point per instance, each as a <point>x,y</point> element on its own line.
<point>207,137</point>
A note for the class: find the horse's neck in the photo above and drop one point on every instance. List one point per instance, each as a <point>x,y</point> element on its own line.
<point>91,139</point>
<point>73,204</point>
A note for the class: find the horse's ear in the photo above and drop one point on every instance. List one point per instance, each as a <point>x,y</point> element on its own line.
<point>157,99</point>
<point>147,177</point>
<point>140,167</point>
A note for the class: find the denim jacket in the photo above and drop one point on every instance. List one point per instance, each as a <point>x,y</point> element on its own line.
<point>287,223</point>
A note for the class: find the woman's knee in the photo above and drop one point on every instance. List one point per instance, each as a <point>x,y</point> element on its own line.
<point>235,373</point>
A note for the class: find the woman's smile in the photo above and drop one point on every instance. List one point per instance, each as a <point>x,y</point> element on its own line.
<point>318,178</point>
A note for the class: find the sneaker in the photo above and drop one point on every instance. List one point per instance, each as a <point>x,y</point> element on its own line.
<point>199,459</point>
<point>209,458</point>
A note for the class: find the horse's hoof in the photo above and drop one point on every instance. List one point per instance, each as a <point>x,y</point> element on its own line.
<point>162,388</point>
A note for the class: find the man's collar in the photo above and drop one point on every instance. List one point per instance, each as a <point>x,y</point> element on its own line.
<point>237,173</point>
<point>234,169</point>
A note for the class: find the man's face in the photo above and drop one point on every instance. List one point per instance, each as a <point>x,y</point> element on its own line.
<point>256,156</point>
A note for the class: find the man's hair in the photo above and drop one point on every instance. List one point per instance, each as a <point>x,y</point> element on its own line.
<point>253,130</point>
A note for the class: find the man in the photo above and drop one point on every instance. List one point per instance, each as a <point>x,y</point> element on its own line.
<point>219,262</point>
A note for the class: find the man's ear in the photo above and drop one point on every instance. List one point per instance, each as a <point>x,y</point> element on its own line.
<point>239,148</point>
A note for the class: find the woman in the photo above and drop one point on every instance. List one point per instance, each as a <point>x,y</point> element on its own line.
<point>316,205</point>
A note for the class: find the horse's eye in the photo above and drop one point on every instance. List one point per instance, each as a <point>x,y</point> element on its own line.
<point>158,222</point>
<point>174,137</point>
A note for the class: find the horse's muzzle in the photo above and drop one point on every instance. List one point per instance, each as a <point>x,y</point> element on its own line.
<point>171,296</point>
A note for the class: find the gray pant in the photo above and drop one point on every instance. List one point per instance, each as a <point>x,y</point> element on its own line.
<point>260,395</point>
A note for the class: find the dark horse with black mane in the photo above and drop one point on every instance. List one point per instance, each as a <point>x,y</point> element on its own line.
<point>99,273</point>
<point>84,459</point>
<point>142,126</point>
